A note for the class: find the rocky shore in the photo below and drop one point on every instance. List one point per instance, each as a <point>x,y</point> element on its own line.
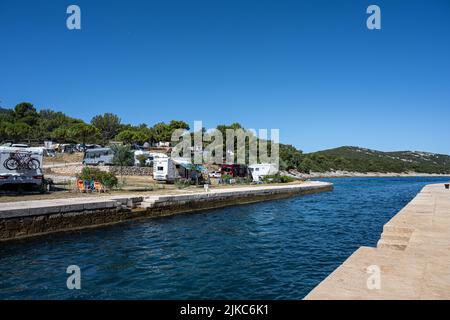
<point>348,174</point>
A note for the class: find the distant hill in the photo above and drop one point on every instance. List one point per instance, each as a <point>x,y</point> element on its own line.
<point>358,159</point>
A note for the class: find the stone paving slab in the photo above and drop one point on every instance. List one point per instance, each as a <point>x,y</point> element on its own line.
<point>417,269</point>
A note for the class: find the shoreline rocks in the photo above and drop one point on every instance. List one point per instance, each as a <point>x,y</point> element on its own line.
<point>348,174</point>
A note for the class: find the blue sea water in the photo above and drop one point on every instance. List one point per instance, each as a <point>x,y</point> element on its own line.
<point>273,250</point>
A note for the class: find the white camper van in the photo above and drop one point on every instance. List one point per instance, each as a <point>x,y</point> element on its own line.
<point>20,165</point>
<point>164,169</point>
<point>168,170</point>
<point>259,171</point>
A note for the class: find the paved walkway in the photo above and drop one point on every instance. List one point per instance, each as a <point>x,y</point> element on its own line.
<point>413,256</point>
<point>50,206</point>
<point>61,165</point>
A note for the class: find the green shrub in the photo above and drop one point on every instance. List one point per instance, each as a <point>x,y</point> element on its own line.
<point>244,180</point>
<point>278,179</point>
<point>182,183</point>
<point>109,180</point>
<point>226,178</point>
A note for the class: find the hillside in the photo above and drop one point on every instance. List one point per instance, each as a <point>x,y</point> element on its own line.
<point>25,123</point>
<point>365,160</point>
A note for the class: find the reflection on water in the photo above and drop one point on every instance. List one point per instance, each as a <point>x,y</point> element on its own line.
<point>273,250</point>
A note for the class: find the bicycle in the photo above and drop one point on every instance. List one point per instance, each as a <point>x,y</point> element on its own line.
<point>21,160</point>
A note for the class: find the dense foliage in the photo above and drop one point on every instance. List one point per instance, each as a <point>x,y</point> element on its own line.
<point>364,160</point>
<point>123,156</point>
<point>24,124</point>
<point>109,180</point>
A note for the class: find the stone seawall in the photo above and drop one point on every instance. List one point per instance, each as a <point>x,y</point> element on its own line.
<point>32,218</point>
<point>131,171</point>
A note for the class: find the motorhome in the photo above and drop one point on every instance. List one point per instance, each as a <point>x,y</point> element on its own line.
<point>99,156</point>
<point>164,169</point>
<point>84,147</point>
<point>234,170</point>
<point>169,170</point>
<point>21,166</point>
<point>66,148</point>
<point>259,171</point>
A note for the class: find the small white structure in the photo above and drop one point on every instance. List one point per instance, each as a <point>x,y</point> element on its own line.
<point>21,166</point>
<point>259,171</point>
<point>48,145</point>
<point>162,144</point>
<point>149,157</point>
<point>138,153</point>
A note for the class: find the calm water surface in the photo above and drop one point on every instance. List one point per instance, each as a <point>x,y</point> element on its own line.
<point>273,250</point>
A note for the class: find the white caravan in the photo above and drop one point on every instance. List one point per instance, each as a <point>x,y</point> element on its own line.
<point>259,171</point>
<point>166,169</point>
<point>21,166</point>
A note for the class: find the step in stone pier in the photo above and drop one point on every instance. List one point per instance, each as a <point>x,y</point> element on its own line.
<point>24,219</point>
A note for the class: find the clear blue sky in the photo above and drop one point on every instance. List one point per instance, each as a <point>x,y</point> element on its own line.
<point>310,68</point>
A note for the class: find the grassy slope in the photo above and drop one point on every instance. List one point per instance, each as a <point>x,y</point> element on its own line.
<point>365,160</point>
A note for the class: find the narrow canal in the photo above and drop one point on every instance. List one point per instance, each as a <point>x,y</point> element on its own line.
<point>273,250</point>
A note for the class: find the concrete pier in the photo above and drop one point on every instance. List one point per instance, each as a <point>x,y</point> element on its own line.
<point>412,256</point>
<point>31,218</point>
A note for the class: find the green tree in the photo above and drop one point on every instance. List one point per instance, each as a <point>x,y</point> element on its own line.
<point>125,136</point>
<point>50,121</point>
<point>17,131</point>
<point>177,124</point>
<point>291,157</point>
<point>108,124</point>
<point>123,157</point>
<point>135,135</point>
<point>25,112</point>
<point>6,115</point>
<point>223,128</point>
<point>162,132</point>
<point>60,134</point>
<point>140,137</point>
<point>83,133</point>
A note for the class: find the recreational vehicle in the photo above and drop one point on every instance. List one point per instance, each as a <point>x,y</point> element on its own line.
<point>99,156</point>
<point>234,170</point>
<point>164,169</point>
<point>259,171</point>
<point>21,166</point>
<point>169,170</point>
